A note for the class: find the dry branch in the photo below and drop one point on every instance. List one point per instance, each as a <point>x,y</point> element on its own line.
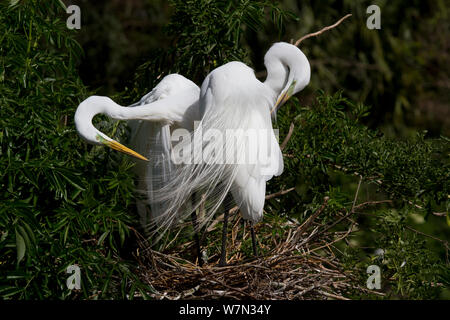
<point>288,136</point>
<point>322,31</point>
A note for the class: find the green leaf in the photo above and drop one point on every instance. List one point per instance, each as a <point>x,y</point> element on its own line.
<point>66,233</point>
<point>102,238</point>
<point>20,245</point>
<point>12,3</point>
<point>62,5</point>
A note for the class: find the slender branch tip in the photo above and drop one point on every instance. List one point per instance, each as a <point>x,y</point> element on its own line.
<point>322,31</point>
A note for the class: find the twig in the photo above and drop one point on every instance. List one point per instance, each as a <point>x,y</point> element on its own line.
<point>321,31</point>
<point>332,242</point>
<point>356,194</point>
<point>370,203</point>
<point>444,242</point>
<point>308,222</point>
<point>262,74</point>
<point>331,295</point>
<point>288,136</point>
<point>279,193</point>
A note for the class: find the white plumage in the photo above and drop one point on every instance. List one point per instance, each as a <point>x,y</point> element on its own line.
<point>152,139</point>
<point>231,99</point>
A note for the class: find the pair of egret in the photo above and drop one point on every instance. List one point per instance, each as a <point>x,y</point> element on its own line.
<point>231,97</point>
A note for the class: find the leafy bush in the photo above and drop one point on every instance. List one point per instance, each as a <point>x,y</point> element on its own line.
<point>62,202</point>
<point>204,35</point>
<point>328,148</point>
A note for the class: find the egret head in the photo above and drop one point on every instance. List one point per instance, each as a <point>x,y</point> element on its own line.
<point>288,71</point>
<point>86,111</point>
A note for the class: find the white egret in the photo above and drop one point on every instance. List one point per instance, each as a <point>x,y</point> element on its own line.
<point>174,101</point>
<point>152,139</point>
<point>177,106</point>
<point>231,99</point>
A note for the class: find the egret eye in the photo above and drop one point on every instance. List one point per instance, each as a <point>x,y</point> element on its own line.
<point>99,138</point>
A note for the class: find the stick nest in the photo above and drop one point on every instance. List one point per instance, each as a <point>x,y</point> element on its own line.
<point>299,264</point>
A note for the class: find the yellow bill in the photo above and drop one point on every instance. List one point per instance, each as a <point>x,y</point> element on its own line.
<point>284,97</point>
<point>120,147</point>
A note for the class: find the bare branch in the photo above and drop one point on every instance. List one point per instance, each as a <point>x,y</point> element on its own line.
<point>279,193</point>
<point>310,220</point>
<point>288,137</point>
<point>444,242</point>
<point>356,194</point>
<point>321,31</point>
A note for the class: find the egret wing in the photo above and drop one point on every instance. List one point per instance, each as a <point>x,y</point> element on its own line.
<point>152,139</point>
<point>249,185</point>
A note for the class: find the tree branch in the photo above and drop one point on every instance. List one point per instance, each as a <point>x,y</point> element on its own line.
<point>288,137</point>
<point>321,31</point>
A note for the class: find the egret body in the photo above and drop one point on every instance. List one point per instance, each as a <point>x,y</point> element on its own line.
<point>230,98</point>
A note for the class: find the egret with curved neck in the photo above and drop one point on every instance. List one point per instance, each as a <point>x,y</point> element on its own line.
<point>231,97</point>
<point>288,71</point>
<point>172,101</point>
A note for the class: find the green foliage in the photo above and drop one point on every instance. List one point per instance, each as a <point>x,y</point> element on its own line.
<point>408,266</point>
<point>400,70</point>
<point>328,147</point>
<point>206,34</point>
<point>62,202</point>
<point>331,133</point>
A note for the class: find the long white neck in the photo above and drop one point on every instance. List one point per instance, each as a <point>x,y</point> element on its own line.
<point>94,105</point>
<point>150,112</point>
<point>285,63</point>
<point>277,75</point>
<point>165,111</point>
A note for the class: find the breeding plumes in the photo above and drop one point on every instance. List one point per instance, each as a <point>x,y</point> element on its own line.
<point>231,149</point>
<point>172,103</point>
<point>152,139</point>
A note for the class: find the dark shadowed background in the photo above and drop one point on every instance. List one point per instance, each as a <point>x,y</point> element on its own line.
<point>401,71</point>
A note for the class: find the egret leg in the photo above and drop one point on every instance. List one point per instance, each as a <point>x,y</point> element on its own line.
<point>243,229</point>
<point>255,248</point>
<point>196,237</point>
<point>228,207</point>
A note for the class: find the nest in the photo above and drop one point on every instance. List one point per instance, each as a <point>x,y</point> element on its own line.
<point>300,265</point>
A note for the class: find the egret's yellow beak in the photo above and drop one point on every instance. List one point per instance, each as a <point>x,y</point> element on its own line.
<point>280,101</point>
<point>120,147</point>
<point>284,97</point>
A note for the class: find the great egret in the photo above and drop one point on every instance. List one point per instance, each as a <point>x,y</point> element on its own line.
<point>231,98</point>
<point>152,139</point>
<point>177,106</point>
<point>173,102</point>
